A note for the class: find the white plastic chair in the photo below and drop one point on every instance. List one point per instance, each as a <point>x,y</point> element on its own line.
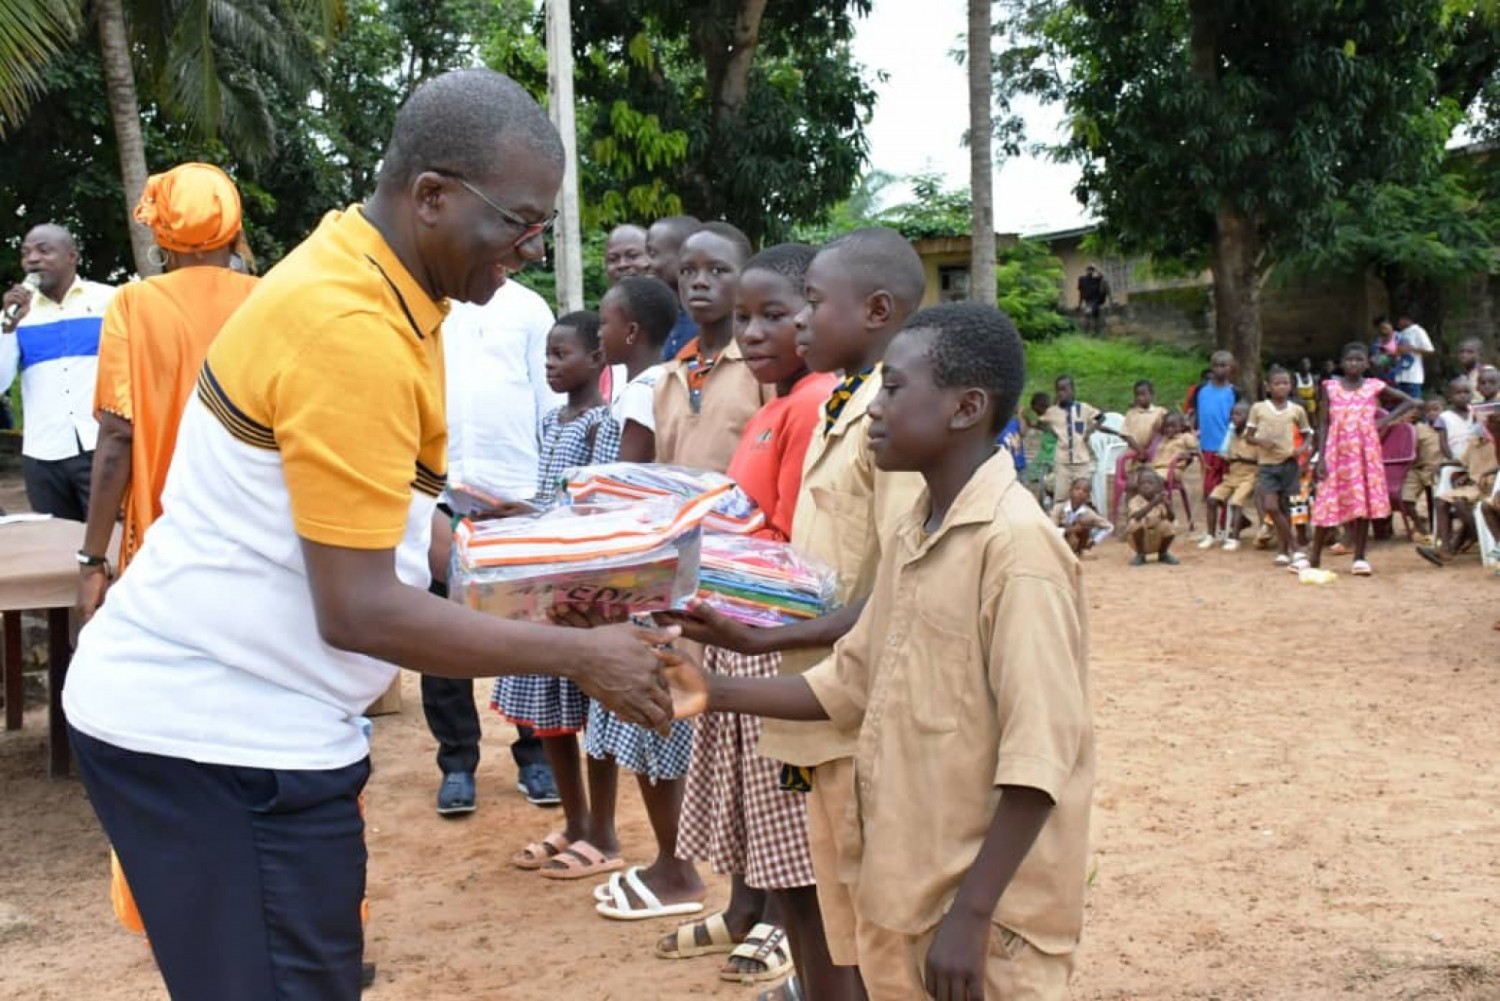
<point>1444,484</point>
<point>1487,542</point>
<point>1107,450</point>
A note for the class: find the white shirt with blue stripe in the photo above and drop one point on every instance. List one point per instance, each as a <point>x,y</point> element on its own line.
<point>56,349</point>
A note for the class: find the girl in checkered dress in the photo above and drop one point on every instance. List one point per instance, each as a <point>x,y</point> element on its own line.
<point>554,707</point>
<point>736,816</point>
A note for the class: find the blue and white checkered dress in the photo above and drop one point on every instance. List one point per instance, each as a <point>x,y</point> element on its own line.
<point>642,751</point>
<point>553,707</point>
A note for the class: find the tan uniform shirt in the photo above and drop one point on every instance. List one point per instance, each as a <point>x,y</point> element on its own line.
<point>1170,449</point>
<point>1243,458</point>
<point>707,438</point>
<point>1141,426</point>
<point>1273,429</point>
<point>1071,427</point>
<point>967,672</point>
<point>1429,451</point>
<point>846,509</point>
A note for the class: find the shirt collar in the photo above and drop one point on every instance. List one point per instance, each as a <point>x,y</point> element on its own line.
<point>976,503</point>
<point>422,311</point>
<point>77,288</point>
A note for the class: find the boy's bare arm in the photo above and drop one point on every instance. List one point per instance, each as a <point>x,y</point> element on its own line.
<point>959,951</point>
<point>695,692</point>
<point>702,624</point>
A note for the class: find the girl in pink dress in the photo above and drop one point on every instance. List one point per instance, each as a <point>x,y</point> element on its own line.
<point>1351,485</point>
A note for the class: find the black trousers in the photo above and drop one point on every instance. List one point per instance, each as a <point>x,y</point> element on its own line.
<point>453,719</point>
<point>59,487</point>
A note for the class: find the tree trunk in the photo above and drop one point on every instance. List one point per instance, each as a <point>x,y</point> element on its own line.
<point>125,109</point>
<point>1237,275</point>
<point>981,157</point>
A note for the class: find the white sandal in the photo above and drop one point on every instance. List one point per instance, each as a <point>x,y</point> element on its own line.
<point>766,945</point>
<point>619,908</point>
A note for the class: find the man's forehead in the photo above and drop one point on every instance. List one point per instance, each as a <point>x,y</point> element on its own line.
<point>42,236</point>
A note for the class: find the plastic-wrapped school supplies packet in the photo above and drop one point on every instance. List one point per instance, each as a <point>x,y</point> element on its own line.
<point>473,498</point>
<point>734,512</point>
<point>763,583</point>
<point>642,556</point>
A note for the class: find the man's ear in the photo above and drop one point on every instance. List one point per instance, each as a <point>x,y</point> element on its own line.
<point>429,193</point>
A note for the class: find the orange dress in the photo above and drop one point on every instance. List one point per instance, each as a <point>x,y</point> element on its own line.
<point>151,346</point>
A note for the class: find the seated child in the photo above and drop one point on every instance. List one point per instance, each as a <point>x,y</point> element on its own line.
<point>1421,478</point>
<point>1151,524</point>
<point>1082,525</point>
<point>1456,530</point>
<point>1487,385</point>
<point>1237,487</point>
<point>1177,448</point>
<point>1456,426</point>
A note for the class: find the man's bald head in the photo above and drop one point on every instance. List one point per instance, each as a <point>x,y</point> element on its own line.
<point>625,252</point>
<point>50,252</point>
<point>459,122</point>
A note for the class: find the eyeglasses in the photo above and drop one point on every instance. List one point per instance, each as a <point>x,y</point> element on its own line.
<point>529,230</point>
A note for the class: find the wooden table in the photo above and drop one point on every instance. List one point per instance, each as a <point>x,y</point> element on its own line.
<point>39,572</point>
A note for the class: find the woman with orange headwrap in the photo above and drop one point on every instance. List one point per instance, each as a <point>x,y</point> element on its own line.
<point>154,338</point>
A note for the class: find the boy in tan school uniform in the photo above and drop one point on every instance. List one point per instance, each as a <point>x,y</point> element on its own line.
<point>860,289</point>
<point>707,392</point>
<point>1237,488</point>
<point>964,686</point>
<point>1423,475</point>
<point>1073,422</point>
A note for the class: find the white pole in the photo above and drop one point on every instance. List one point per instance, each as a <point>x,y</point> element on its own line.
<point>569,242</point>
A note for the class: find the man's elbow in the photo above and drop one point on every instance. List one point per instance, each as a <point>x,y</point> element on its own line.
<point>350,622</point>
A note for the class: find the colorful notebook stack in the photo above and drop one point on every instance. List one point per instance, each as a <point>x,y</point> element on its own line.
<point>761,582</point>
<point>734,512</point>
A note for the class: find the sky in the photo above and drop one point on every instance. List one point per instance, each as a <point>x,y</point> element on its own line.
<point>922,113</point>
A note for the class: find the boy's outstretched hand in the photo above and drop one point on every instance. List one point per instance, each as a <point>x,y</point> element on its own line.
<point>702,623</point>
<point>687,683</point>
<point>956,960</point>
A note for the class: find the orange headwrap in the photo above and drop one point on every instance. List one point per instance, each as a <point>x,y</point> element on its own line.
<point>191,208</point>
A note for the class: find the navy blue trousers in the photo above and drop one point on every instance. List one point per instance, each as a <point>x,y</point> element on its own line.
<point>248,880</point>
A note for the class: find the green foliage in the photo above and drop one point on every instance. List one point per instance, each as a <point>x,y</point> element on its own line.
<point>32,34</point>
<point>932,213</point>
<point>1105,370</point>
<point>1027,282</point>
<point>1274,109</point>
<point>680,112</point>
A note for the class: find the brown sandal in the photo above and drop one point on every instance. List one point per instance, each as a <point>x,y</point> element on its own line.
<point>539,853</point>
<point>580,860</point>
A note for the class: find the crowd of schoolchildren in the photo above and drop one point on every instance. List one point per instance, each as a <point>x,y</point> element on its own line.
<point>865,429</point>
<point>1313,467</point>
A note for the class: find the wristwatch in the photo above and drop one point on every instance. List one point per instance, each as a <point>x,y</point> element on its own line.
<point>85,560</point>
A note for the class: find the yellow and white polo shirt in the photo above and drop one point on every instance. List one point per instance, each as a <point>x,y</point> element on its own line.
<point>318,415</point>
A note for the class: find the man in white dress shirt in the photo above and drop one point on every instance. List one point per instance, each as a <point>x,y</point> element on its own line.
<point>495,357</point>
<point>53,341</point>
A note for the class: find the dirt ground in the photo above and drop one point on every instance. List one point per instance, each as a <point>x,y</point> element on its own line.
<point>1298,797</point>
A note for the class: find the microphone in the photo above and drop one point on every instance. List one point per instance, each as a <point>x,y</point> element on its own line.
<point>32,282</point>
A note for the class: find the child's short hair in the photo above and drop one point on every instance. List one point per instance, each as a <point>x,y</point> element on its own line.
<point>650,303</point>
<point>1081,481</point>
<point>1040,399</point>
<point>789,260</point>
<point>975,345</point>
<point>1276,370</point>
<point>1065,377</point>
<point>681,226</point>
<point>584,323</point>
<point>1354,348</point>
<point>878,257</point>
<point>1143,384</point>
<point>733,234</point>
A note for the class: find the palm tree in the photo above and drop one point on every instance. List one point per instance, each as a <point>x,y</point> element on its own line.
<point>981,156</point>
<point>203,62</point>
<point>32,32</point>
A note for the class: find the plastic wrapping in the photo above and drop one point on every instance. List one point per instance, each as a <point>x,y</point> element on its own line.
<point>474,498</point>
<point>642,556</point>
<point>763,583</point>
<point>734,512</point>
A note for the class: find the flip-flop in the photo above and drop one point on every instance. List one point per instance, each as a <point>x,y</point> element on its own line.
<point>1339,549</point>
<point>618,907</point>
<point>1431,555</point>
<point>688,946</point>
<point>766,945</point>
<point>539,853</point>
<point>580,861</point>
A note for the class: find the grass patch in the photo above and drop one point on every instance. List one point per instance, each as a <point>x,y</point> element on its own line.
<point>1105,370</point>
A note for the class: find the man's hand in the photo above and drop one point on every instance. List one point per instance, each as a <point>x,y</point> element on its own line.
<point>92,583</point>
<point>620,669</point>
<point>956,959</point>
<point>19,296</point>
<point>504,509</point>
<point>688,684</point>
<point>702,623</point>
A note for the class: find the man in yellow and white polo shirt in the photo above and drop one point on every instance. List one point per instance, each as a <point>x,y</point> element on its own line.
<point>213,700</point>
